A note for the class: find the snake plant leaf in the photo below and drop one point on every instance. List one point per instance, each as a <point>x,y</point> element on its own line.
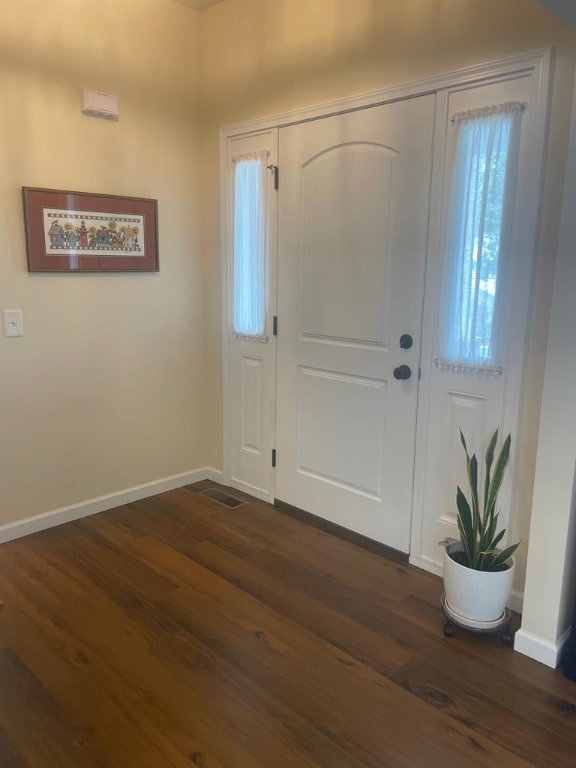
<point>497,539</point>
<point>463,441</point>
<point>466,525</point>
<point>462,533</point>
<point>472,472</point>
<point>487,543</point>
<point>473,480</point>
<point>488,556</point>
<point>489,460</point>
<point>496,481</point>
<point>503,556</point>
<point>488,532</point>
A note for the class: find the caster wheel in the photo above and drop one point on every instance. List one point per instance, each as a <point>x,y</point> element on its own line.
<point>448,629</point>
<point>507,637</point>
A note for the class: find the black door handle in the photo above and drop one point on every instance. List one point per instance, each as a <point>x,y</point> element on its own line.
<point>402,372</point>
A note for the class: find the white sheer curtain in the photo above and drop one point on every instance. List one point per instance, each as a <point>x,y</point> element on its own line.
<point>250,245</point>
<point>479,232</point>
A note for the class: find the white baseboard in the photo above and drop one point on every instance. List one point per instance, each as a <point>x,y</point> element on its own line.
<point>85,508</point>
<point>215,475</point>
<point>426,564</point>
<point>538,648</point>
<point>515,602</point>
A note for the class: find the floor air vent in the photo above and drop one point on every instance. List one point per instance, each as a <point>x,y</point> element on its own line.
<point>224,498</point>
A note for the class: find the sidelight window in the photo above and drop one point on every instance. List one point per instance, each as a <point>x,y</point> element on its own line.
<point>249,289</point>
<point>479,233</point>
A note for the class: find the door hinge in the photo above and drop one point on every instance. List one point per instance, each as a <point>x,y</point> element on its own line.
<point>273,457</point>
<point>276,173</point>
<point>275,325</point>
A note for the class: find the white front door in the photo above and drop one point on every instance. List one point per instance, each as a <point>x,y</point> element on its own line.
<point>352,236</point>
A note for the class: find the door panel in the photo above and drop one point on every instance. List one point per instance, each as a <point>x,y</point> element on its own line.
<point>330,278</point>
<point>251,384</point>
<point>326,401</point>
<point>353,217</point>
<point>456,397</point>
<point>250,412</point>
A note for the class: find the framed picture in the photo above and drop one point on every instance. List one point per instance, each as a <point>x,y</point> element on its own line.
<point>80,232</point>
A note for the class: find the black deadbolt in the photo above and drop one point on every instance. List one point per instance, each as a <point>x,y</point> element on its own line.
<point>406,341</point>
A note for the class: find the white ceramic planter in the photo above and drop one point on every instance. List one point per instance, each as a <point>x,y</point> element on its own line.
<point>477,596</point>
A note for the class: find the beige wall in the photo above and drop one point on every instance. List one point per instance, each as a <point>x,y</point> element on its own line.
<point>106,388</point>
<point>262,57</point>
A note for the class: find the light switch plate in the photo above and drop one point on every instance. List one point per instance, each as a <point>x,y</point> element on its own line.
<point>13,325</point>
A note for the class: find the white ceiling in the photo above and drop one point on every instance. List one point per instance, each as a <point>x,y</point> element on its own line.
<point>565,9</point>
<point>198,5</point>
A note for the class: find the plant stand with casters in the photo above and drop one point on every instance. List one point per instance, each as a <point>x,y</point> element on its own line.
<point>453,619</point>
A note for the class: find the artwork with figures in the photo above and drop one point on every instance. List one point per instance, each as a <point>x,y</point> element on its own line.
<point>83,232</point>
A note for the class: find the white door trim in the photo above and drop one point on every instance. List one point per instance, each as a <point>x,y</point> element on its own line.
<point>537,64</point>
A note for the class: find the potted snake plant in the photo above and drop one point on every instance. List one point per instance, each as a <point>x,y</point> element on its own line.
<point>478,574</point>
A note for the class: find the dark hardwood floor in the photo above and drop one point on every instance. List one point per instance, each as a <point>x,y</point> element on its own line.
<point>175,632</point>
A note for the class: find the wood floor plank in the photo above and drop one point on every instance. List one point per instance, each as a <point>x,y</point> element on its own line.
<point>244,718</point>
<point>405,593</point>
<point>108,684</point>
<point>174,632</point>
<point>383,653</point>
<point>266,646</point>
<point>515,692</point>
<point>41,732</point>
<point>328,587</point>
<point>9,757</point>
<point>173,513</point>
<point>131,690</point>
<point>325,553</point>
<point>529,740</point>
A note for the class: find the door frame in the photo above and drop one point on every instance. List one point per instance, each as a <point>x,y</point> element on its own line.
<point>535,64</point>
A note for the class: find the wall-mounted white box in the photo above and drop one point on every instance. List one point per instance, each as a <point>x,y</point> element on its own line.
<point>103,105</point>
